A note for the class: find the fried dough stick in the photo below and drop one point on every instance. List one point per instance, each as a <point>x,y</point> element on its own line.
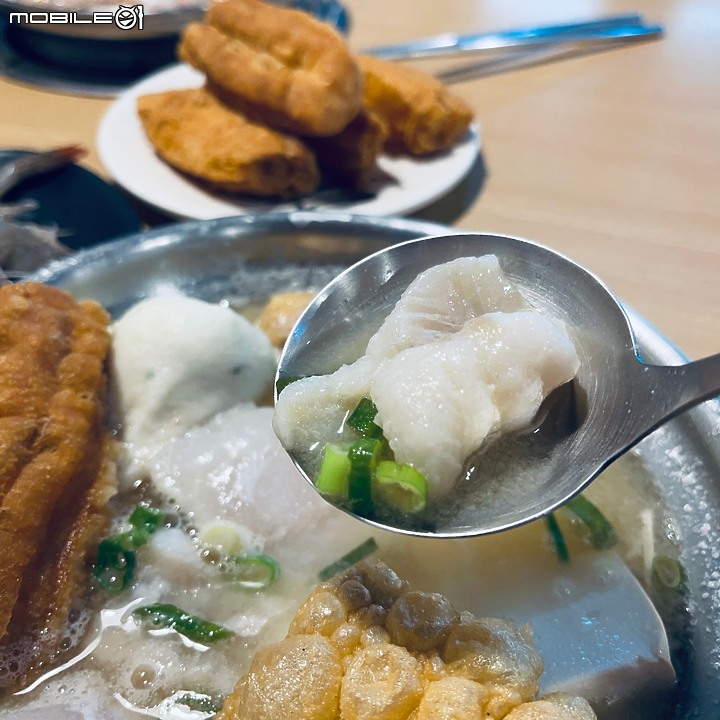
<point>196,133</point>
<point>422,115</point>
<point>349,158</point>
<point>56,470</point>
<point>288,69</point>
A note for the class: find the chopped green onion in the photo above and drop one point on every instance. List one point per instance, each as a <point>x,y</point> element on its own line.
<point>223,537</point>
<point>133,538</point>
<point>283,382</point>
<point>362,419</point>
<point>145,517</point>
<point>115,563</point>
<point>252,572</point>
<point>364,456</point>
<point>334,472</point>
<point>162,615</point>
<point>400,486</point>
<point>348,560</point>
<point>557,539</point>
<point>116,559</point>
<point>602,533</point>
<point>667,571</point>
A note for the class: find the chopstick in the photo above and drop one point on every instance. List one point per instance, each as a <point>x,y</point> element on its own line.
<point>613,29</point>
<point>507,62</point>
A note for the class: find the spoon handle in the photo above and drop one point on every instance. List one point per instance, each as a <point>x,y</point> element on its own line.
<point>665,391</point>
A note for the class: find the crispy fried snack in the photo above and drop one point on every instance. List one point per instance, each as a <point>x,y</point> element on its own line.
<point>284,67</point>
<point>366,647</point>
<point>195,133</point>
<point>349,158</point>
<point>56,470</point>
<point>422,115</point>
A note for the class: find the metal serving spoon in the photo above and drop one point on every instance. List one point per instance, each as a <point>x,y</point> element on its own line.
<point>618,398</point>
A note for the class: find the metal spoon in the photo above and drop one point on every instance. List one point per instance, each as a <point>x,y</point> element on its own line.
<point>619,398</point>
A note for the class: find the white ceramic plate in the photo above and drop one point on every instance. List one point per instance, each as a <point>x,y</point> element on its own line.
<point>129,158</point>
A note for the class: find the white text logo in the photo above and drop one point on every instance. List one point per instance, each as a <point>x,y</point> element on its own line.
<point>126,17</point>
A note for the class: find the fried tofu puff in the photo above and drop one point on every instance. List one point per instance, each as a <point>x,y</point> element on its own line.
<point>284,67</point>
<point>196,134</point>
<point>556,706</point>
<point>366,647</point>
<point>422,115</point>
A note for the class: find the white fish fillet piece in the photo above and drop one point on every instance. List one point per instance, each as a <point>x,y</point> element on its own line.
<point>437,303</point>
<point>438,402</point>
<point>234,469</point>
<point>441,300</point>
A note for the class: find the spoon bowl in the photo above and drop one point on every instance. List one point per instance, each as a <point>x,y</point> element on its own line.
<point>617,398</point>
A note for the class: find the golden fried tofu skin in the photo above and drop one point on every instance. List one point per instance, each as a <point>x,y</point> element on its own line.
<point>198,135</point>
<point>56,469</point>
<point>286,68</point>
<point>422,115</point>
<point>364,646</point>
<point>350,157</point>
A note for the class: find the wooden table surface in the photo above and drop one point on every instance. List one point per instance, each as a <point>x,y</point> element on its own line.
<point>612,158</point>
